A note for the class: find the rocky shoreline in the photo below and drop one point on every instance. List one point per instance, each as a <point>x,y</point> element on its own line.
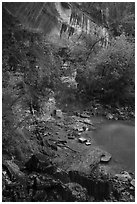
<point>64,168</point>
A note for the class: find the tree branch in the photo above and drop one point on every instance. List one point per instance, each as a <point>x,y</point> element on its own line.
<point>93,47</point>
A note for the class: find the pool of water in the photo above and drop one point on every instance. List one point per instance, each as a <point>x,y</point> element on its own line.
<point>118,139</point>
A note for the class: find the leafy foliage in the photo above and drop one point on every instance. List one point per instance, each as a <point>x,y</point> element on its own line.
<point>110,75</point>
<point>30,68</point>
<point>32,65</point>
<point>41,71</point>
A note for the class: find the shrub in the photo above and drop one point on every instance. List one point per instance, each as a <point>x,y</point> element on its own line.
<point>110,75</point>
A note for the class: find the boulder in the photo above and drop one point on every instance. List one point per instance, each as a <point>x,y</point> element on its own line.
<point>59,113</point>
<point>105,157</point>
<point>109,116</point>
<point>88,143</point>
<point>75,192</point>
<point>133,182</point>
<point>84,115</point>
<point>13,170</point>
<point>123,176</point>
<point>87,121</point>
<point>82,139</point>
<point>38,162</point>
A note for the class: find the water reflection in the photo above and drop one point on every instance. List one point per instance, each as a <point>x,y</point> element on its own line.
<point>119,140</point>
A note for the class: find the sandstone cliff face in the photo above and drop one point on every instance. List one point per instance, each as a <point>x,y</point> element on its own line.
<point>34,16</point>
<point>64,13</point>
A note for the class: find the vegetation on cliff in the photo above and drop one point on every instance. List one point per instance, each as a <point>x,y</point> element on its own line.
<point>49,63</point>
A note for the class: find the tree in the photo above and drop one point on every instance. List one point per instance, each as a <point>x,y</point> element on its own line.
<point>30,66</point>
<point>109,75</point>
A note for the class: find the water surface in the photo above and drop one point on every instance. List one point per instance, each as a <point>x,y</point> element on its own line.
<point>118,139</point>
